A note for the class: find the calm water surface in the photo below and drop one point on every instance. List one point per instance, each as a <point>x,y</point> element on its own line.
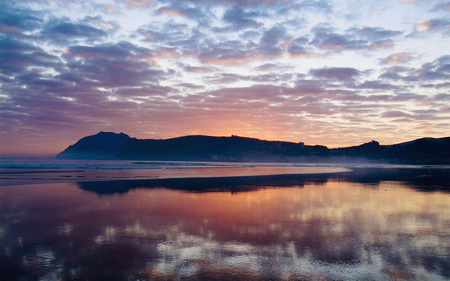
<point>370,224</point>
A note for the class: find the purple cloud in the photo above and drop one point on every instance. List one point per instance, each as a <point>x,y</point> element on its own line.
<point>395,114</point>
<point>377,85</point>
<point>240,18</point>
<point>327,38</point>
<point>220,66</point>
<point>336,73</point>
<point>15,20</point>
<point>64,30</point>
<point>17,56</point>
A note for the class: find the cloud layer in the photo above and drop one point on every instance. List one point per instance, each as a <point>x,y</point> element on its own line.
<point>299,70</point>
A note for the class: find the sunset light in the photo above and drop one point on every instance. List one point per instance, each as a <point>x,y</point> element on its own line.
<point>333,73</point>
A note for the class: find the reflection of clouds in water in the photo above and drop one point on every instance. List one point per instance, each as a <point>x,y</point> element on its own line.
<point>107,237</point>
<point>340,239</point>
<point>136,230</point>
<point>336,230</point>
<point>278,260</point>
<point>282,261</point>
<point>66,229</point>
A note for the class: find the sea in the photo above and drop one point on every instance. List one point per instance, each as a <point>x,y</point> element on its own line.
<point>157,220</point>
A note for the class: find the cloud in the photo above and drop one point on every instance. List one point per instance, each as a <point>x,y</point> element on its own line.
<point>113,65</point>
<point>18,57</point>
<point>310,87</point>
<point>76,30</point>
<point>289,68</point>
<point>138,3</point>
<point>103,25</point>
<point>433,25</point>
<point>374,33</point>
<point>445,6</point>
<point>228,52</point>
<point>15,20</point>
<point>175,37</point>
<point>442,97</point>
<point>443,85</point>
<point>111,8</point>
<point>172,12</point>
<point>336,73</point>
<point>299,47</point>
<point>237,3</point>
<point>271,42</point>
<point>395,114</point>
<point>199,69</point>
<point>438,69</point>
<point>185,9</point>
<point>64,31</point>
<point>107,51</point>
<point>85,87</point>
<point>397,58</point>
<point>377,85</point>
<point>327,38</point>
<point>398,73</point>
<point>241,19</point>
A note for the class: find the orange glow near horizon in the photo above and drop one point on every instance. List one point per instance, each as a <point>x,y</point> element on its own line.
<point>43,146</point>
<point>323,74</point>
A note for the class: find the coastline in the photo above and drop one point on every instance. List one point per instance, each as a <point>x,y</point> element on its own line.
<point>38,175</point>
<point>187,219</point>
<point>44,171</point>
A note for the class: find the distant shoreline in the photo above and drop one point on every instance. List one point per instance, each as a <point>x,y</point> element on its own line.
<point>38,175</point>
<point>94,175</point>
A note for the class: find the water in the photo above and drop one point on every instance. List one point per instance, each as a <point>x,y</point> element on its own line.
<point>25,171</point>
<point>365,224</point>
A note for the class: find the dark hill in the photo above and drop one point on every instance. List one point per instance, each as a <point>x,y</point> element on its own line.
<point>234,148</point>
<point>207,148</point>
<point>99,146</point>
<point>420,151</point>
<point>425,150</point>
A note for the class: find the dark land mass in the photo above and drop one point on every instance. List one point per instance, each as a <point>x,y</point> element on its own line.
<point>107,145</point>
<point>424,180</point>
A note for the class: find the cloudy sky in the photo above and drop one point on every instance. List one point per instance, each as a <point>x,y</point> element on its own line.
<point>334,73</point>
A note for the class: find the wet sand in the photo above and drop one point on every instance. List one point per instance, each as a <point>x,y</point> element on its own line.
<point>367,224</point>
<point>35,174</point>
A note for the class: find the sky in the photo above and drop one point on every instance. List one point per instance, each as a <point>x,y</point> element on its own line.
<point>334,73</point>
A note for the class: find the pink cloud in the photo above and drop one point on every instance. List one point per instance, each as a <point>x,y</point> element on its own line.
<point>398,58</point>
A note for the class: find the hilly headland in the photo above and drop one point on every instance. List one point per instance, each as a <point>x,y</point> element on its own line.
<point>120,146</point>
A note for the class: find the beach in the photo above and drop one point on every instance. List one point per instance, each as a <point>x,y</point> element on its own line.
<point>21,171</point>
<point>214,223</point>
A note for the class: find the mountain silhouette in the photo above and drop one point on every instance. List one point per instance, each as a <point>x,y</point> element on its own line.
<point>103,145</point>
<point>108,145</point>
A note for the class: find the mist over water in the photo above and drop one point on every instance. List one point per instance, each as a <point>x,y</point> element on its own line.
<point>369,224</point>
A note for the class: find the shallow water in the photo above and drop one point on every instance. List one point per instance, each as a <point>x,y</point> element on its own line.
<point>24,171</point>
<point>370,224</point>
